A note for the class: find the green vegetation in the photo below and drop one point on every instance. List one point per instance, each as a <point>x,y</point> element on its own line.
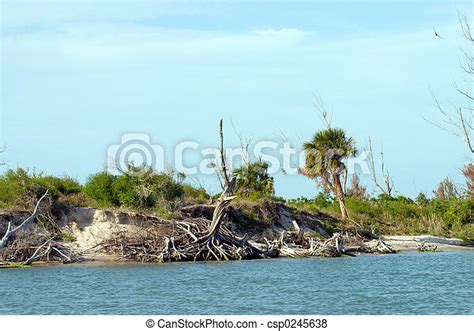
<point>401,215</point>
<point>137,188</point>
<point>253,180</point>
<point>19,189</point>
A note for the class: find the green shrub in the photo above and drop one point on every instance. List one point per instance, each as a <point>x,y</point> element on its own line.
<point>422,200</point>
<point>323,199</point>
<point>460,212</point>
<point>20,189</point>
<point>100,187</point>
<point>17,189</point>
<point>253,180</point>
<point>136,188</point>
<point>58,186</point>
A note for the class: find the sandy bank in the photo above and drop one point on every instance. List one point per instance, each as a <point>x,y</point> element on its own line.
<point>412,243</point>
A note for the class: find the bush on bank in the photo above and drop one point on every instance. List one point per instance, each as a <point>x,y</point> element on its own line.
<point>136,189</point>
<point>20,189</point>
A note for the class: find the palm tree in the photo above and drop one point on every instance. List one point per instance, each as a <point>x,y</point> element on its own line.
<point>324,156</point>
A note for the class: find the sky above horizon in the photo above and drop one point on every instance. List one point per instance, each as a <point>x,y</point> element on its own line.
<point>77,75</point>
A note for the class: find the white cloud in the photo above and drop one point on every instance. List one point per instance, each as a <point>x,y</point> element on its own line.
<point>117,44</point>
<point>284,33</point>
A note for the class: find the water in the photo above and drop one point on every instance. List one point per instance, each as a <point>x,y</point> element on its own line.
<point>411,283</point>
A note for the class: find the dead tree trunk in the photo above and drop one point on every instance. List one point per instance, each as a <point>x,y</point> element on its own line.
<point>227,195</point>
<point>220,212</point>
<point>387,180</point>
<point>11,233</point>
<point>214,243</point>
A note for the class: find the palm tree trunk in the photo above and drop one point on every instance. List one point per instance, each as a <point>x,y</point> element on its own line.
<point>340,196</point>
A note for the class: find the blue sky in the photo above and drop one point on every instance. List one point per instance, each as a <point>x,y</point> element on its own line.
<point>76,75</point>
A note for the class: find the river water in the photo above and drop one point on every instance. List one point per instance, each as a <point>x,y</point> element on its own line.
<point>408,283</point>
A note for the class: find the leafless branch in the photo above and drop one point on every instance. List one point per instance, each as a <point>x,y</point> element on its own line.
<point>459,122</point>
<point>10,233</point>
<point>465,27</point>
<point>35,255</point>
<point>387,188</point>
<point>225,175</point>
<point>321,109</point>
<point>244,145</point>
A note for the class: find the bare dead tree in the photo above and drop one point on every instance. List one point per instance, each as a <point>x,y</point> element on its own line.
<point>295,141</point>
<point>468,172</point>
<point>459,121</point>
<point>446,190</point>
<point>244,145</point>
<point>321,109</point>
<point>11,232</point>
<point>225,174</point>
<point>357,190</point>
<point>388,183</point>
<point>222,171</point>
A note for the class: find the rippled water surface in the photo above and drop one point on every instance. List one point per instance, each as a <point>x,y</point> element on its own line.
<point>410,283</point>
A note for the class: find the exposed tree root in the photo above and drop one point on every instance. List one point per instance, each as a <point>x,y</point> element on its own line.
<point>186,241</point>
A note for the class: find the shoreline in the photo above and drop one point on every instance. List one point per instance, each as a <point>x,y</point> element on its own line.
<point>407,243</point>
<point>98,235</point>
<point>401,243</point>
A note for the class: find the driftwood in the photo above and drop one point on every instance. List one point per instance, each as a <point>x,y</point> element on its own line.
<point>300,244</point>
<point>10,233</point>
<point>24,252</point>
<point>36,254</point>
<point>424,247</point>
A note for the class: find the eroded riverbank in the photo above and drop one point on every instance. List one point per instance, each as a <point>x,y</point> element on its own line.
<point>89,232</point>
